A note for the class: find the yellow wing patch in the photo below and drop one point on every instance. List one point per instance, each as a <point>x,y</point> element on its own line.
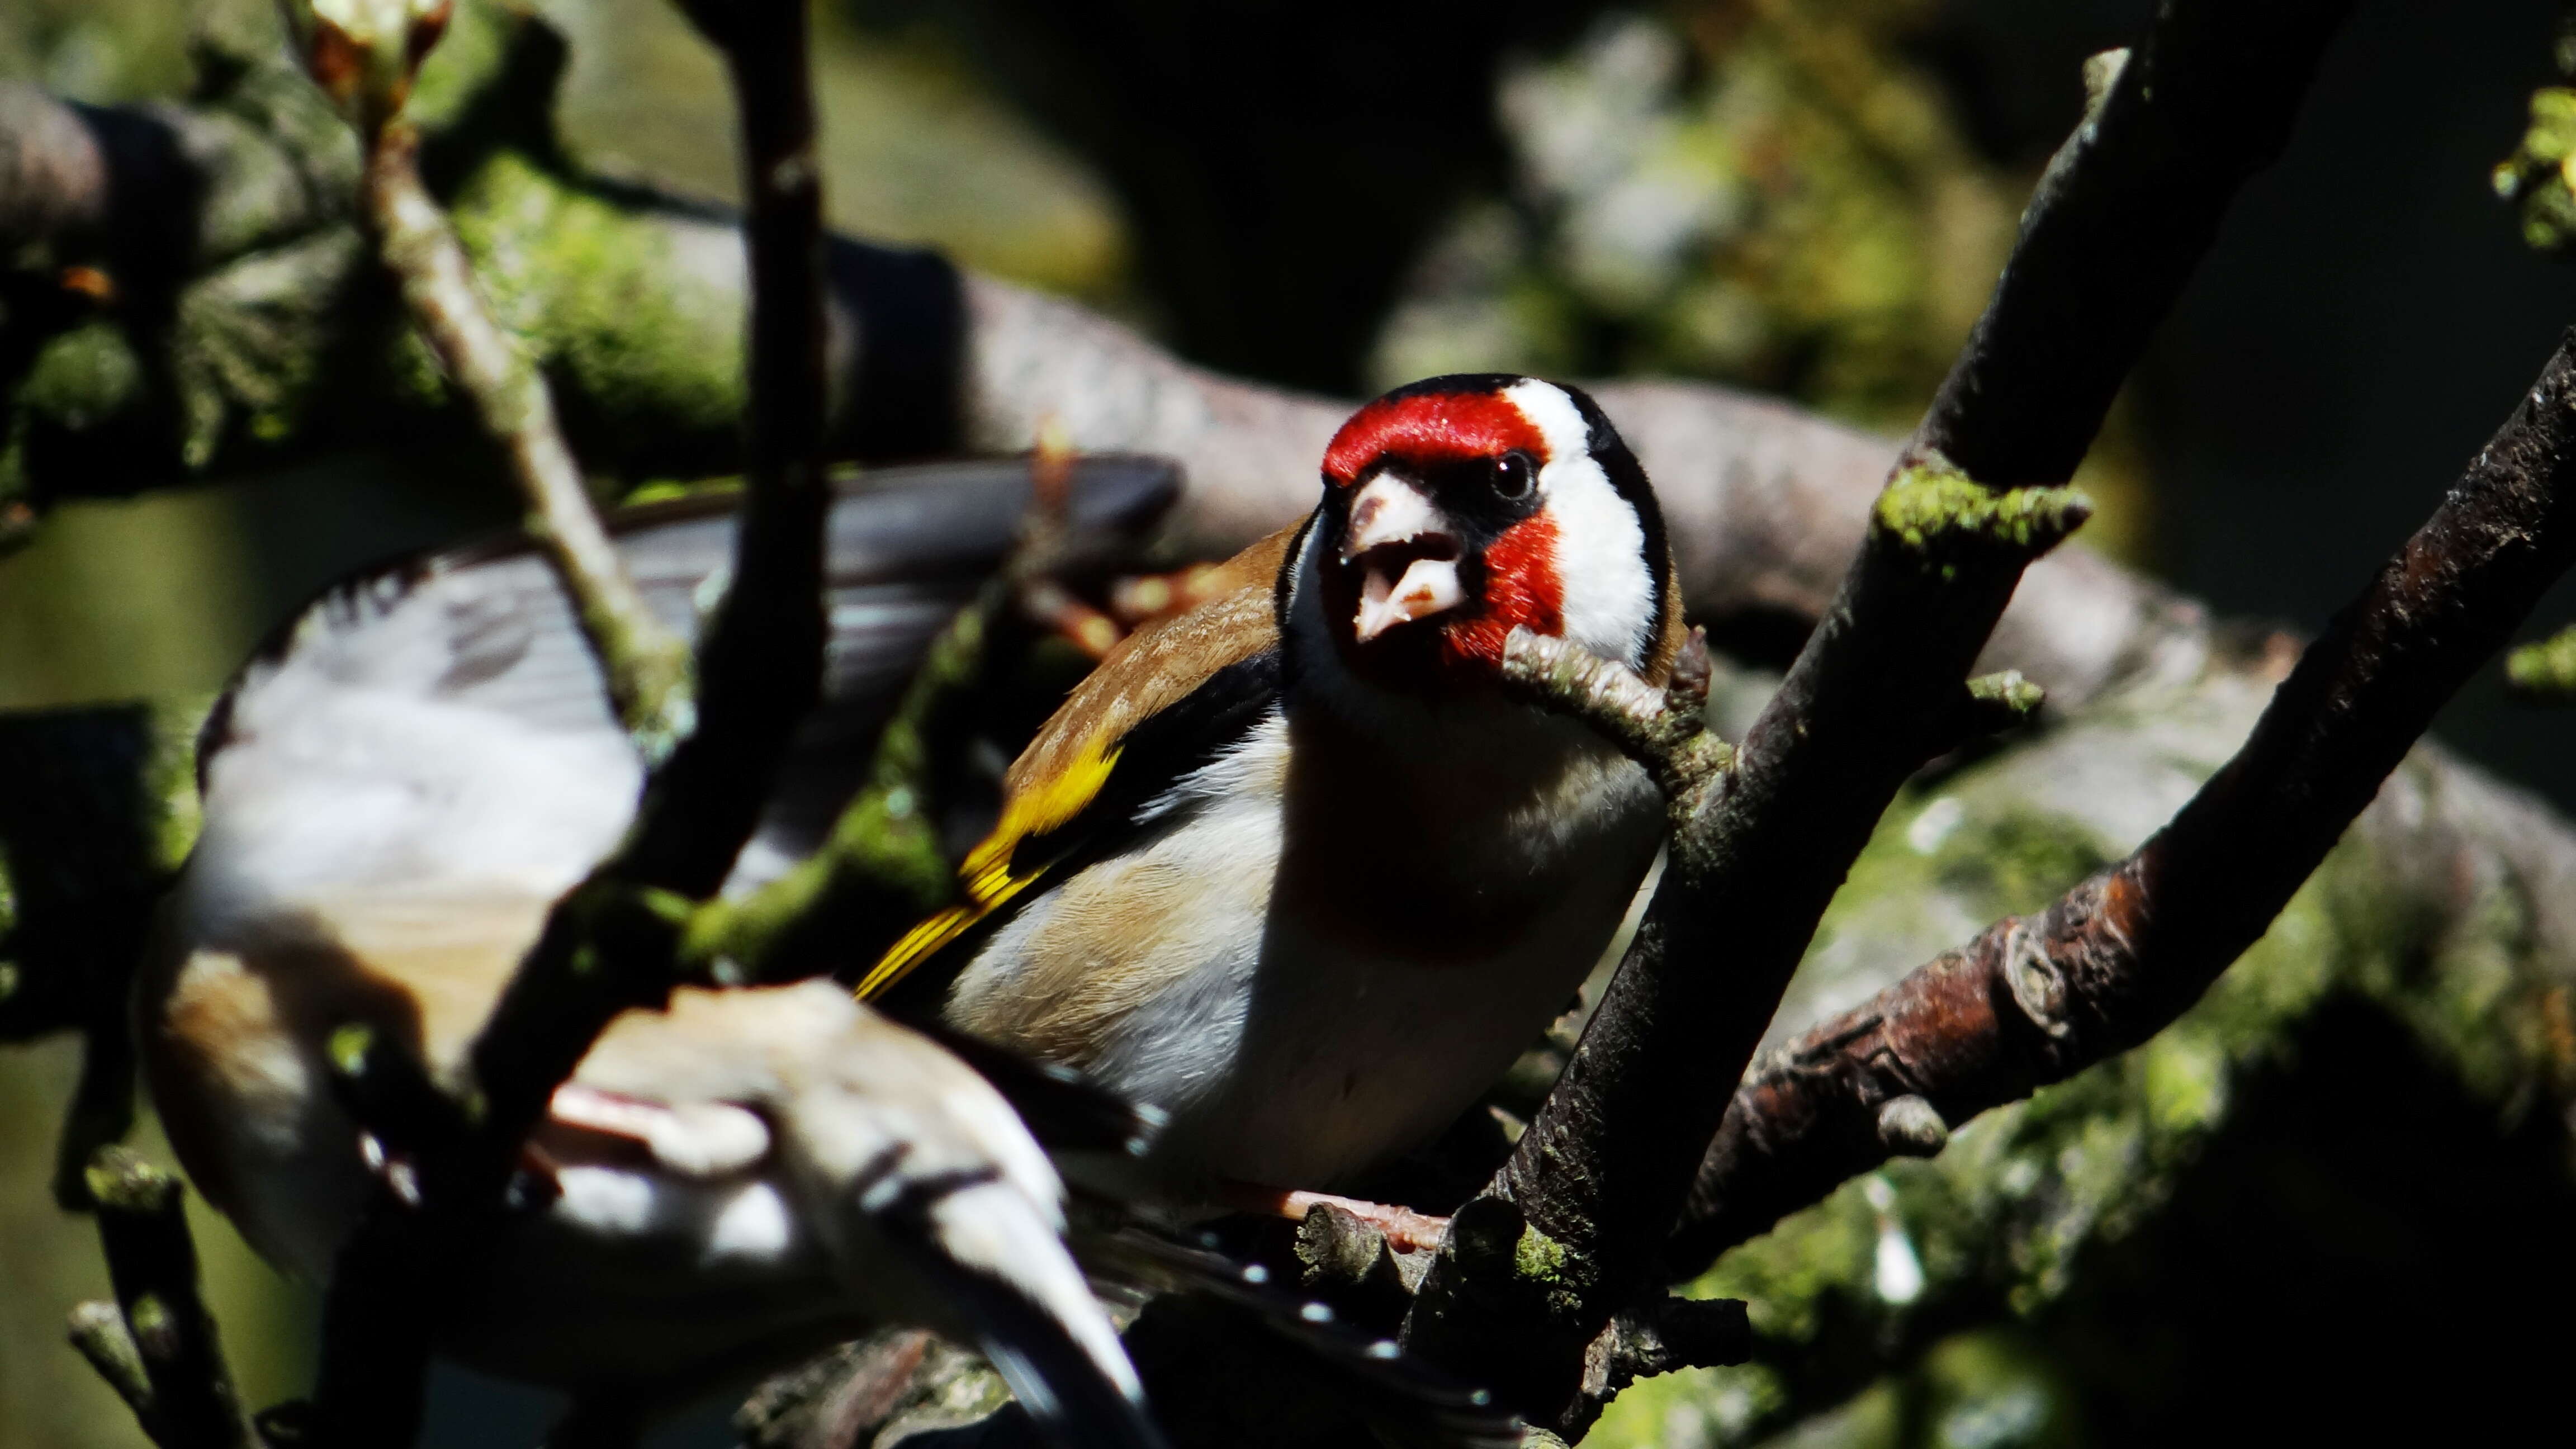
<point>987,873</point>
<point>1064,768</point>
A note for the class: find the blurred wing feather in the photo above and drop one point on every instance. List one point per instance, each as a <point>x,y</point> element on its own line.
<point>485,629</point>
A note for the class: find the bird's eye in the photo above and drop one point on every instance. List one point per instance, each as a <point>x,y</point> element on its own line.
<point>1515,474</point>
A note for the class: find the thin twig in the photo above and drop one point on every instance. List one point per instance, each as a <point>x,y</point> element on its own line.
<point>189,1401</point>
<point>608,945</point>
<point>1660,729</point>
<point>2033,1001</point>
<point>760,665</point>
<point>645,664</point>
<point>97,1331</point>
<point>2122,216</point>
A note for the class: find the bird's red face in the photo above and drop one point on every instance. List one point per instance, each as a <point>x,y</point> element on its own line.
<point>1460,508</point>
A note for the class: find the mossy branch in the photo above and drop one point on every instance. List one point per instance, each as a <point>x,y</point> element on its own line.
<point>2114,961</point>
<point>1661,729</point>
<point>1932,507</point>
<point>365,57</point>
<point>646,665</point>
<point>608,944</point>
<point>2120,219</point>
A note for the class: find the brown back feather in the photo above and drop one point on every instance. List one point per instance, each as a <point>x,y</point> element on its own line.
<point>1159,665</point>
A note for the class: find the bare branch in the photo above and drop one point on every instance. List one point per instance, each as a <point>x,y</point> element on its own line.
<point>2033,1001</point>
<point>2119,221</point>
<point>188,1397</point>
<point>97,1330</point>
<point>760,666</point>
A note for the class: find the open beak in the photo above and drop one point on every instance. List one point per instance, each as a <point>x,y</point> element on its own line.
<point>1407,554</point>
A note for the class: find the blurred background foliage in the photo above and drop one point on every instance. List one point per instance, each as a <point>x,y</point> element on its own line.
<point>1809,197</point>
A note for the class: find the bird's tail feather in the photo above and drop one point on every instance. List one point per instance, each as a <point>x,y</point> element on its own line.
<point>1000,1262</point>
<point>1404,1400</point>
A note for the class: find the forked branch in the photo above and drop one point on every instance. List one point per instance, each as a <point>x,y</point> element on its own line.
<point>156,1345</point>
<point>2119,221</point>
<point>608,945</point>
<point>367,72</point>
<point>2115,960</point>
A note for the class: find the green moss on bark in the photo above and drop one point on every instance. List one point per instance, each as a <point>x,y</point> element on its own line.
<point>1931,505</point>
<point>2406,916</point>
<point>636,320</point>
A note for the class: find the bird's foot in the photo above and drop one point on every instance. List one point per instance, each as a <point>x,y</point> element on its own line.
<point>1406,1231</point>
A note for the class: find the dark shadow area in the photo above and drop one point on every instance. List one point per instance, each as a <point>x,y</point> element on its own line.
<point>1281,164</point>
<point>2366,1256</point>
<point>2369,316</point>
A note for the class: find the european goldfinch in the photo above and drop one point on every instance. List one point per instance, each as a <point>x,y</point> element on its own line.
<point>394,793</point>
<point>1290,867</point>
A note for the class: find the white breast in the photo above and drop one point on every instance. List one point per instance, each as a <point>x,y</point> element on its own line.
<point>1283,1057</point>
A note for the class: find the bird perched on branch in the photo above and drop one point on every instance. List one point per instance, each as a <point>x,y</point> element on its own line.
<point>1290,866</point>
<point>396,791</point>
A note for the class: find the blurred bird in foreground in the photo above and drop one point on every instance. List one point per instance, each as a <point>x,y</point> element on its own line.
<point>1290,866</point>
<point>397,790</point>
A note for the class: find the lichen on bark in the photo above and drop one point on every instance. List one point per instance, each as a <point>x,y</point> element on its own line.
<point>2442,912</point>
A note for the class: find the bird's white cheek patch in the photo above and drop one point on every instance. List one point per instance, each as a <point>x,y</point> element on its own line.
<point>1609,597</point>
<point>1551,411</point>
<point>1601,556</point>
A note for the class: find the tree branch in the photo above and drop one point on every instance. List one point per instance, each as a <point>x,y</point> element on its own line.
<point>97,1332</point>
<point>1660,729</point>
<point>608,945</point>
<point>2120,219</point>
<point>646,665</point>
<point>158,1326</point>
<point>1766,503</point>
<point>760,664</point>
<point>2033,1001</point>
